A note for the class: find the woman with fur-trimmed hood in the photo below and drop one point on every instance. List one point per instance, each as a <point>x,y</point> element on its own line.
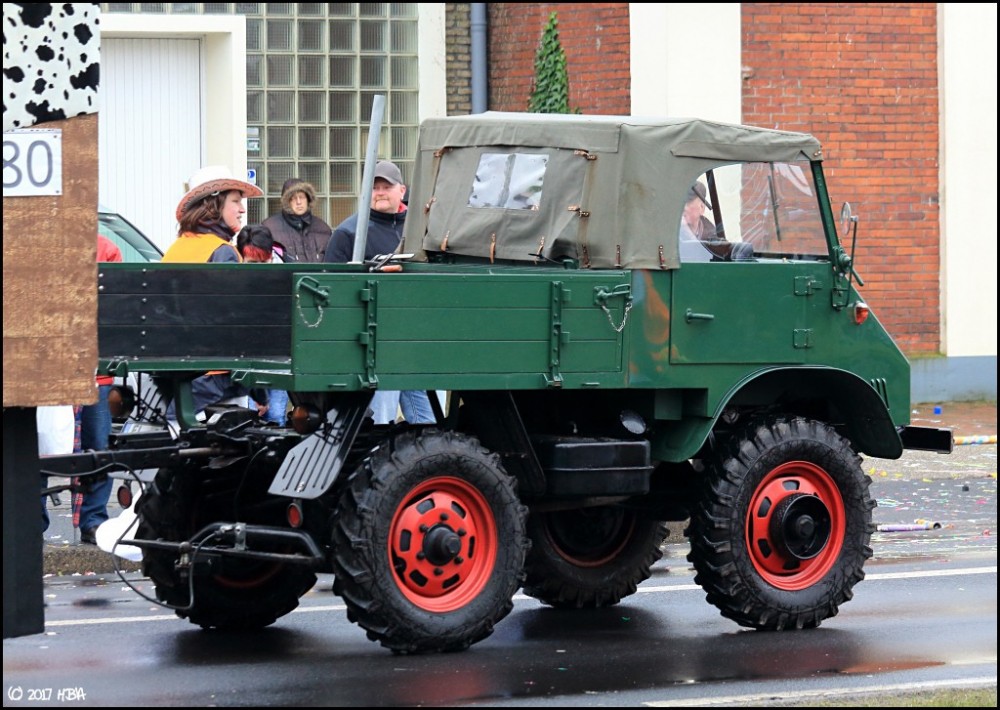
<point>296,228</point>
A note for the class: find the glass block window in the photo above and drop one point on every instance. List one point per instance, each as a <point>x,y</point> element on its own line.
<point>312,72</point>
<point>312,144</point>
<point>312,107</point>
<point>280,142</point>
<point>311,37</point>
<point>279,35</point>
<point>280,71</point>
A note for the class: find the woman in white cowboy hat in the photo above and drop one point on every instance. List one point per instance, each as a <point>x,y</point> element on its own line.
<point>209,216</point>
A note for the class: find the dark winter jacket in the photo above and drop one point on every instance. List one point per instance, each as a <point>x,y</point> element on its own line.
<point>303,237</point>
<point>385,231</point>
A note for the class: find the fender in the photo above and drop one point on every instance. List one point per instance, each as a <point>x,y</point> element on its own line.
<point>836,396</point>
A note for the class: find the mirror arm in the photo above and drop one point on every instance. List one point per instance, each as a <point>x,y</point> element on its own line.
<point>851,273</point>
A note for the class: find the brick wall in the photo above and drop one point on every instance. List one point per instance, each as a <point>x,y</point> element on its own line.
<point>863,79</point>
<point>458,59</point>
<point>595,37</point>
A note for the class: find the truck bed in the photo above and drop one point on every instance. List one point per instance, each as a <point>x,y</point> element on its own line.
<point>310,328</point>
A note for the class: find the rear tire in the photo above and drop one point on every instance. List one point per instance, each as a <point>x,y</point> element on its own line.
<point>782,530</point>
<point>235,595</point>
<point>590,557</point>
<point>429,543</point>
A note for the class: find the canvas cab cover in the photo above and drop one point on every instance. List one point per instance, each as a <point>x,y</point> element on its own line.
<point>606,191</point>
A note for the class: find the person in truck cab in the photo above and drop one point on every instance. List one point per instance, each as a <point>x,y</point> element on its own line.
<point>694,224</point>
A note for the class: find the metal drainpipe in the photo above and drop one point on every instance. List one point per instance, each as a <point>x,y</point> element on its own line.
<point>480,83</point>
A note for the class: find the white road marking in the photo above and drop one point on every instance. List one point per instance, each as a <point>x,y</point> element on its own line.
<point>522,597</point>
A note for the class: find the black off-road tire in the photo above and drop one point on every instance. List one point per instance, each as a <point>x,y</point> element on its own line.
<point>782,530</point>
<point>590,557</point>
<point>238,595</point>
<point>429,543</point>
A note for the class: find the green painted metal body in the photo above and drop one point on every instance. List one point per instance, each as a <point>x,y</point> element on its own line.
<point>584,289</point>
<point>686,346</point>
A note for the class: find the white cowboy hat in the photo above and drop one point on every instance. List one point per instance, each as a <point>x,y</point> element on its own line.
<point>211,180</point>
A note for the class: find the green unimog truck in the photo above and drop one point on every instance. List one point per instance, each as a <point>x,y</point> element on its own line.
<point>637,321</point>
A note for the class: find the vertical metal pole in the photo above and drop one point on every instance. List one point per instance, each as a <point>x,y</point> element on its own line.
<point>365,198</point>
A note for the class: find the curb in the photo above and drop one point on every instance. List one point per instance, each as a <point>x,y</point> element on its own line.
<point>79,559</point>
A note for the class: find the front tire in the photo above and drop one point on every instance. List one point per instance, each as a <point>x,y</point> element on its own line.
<point>782,530</point>
<point>590,557</point>
<point>429,543</point>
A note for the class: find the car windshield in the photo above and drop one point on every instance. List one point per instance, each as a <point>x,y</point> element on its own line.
<point>135,246</point>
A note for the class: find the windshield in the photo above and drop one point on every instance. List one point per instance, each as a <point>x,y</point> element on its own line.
<point>753,211</point>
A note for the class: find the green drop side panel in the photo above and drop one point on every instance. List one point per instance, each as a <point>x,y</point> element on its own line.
<point>457,330</point>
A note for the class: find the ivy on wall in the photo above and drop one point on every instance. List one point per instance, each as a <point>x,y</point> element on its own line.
<point>551,90</point>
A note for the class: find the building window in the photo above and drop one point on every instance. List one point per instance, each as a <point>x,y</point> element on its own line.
<point>313,70</point>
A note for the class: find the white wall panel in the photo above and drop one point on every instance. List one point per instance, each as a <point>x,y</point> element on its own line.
<point>968,70</point>
<point>672,74</point>
<point>151,137</point>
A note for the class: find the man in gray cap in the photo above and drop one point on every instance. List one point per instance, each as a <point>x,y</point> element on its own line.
<point>385,232</point>
<point>385,223</point>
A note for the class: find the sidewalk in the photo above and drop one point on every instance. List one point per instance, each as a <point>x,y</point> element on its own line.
<point>973,423</point>
<point>969,421</point>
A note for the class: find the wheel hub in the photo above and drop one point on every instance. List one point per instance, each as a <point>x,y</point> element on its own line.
<point>800,525</point>
<point>441,544</point>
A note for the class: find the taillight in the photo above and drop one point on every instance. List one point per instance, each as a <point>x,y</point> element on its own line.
<point>293,513</point>
<point>860,312</point>
<point>124,496</point>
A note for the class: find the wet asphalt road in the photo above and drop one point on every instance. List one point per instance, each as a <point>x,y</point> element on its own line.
<point>928,618</point>
<point>926,613</point>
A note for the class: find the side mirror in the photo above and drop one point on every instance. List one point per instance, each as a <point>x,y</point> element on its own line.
<point>847,218</point>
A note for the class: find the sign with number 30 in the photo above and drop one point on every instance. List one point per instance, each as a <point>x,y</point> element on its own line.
<point>32,162</point>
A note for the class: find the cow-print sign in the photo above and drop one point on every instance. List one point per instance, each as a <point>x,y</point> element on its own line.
<point>51,61</point>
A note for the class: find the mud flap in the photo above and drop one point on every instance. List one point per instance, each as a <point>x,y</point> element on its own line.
<point>311,467</point>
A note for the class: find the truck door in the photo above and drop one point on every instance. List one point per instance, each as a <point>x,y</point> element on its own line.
<point>755,267</point>
<point>745,312</point>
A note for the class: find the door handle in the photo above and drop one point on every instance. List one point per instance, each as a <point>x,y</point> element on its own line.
<point>690,315</point>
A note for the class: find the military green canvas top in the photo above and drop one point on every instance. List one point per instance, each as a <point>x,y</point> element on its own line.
<point>607,191</point>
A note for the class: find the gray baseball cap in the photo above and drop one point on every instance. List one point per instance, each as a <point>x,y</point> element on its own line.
<point>389,172</point>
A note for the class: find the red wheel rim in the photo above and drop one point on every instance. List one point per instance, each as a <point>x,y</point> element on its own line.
<point>443,544</point>
<point>793,483</point>
<point>251,578</point>
<point>589,537</point>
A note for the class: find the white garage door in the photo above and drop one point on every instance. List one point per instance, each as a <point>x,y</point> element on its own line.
<point>151,136</point>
